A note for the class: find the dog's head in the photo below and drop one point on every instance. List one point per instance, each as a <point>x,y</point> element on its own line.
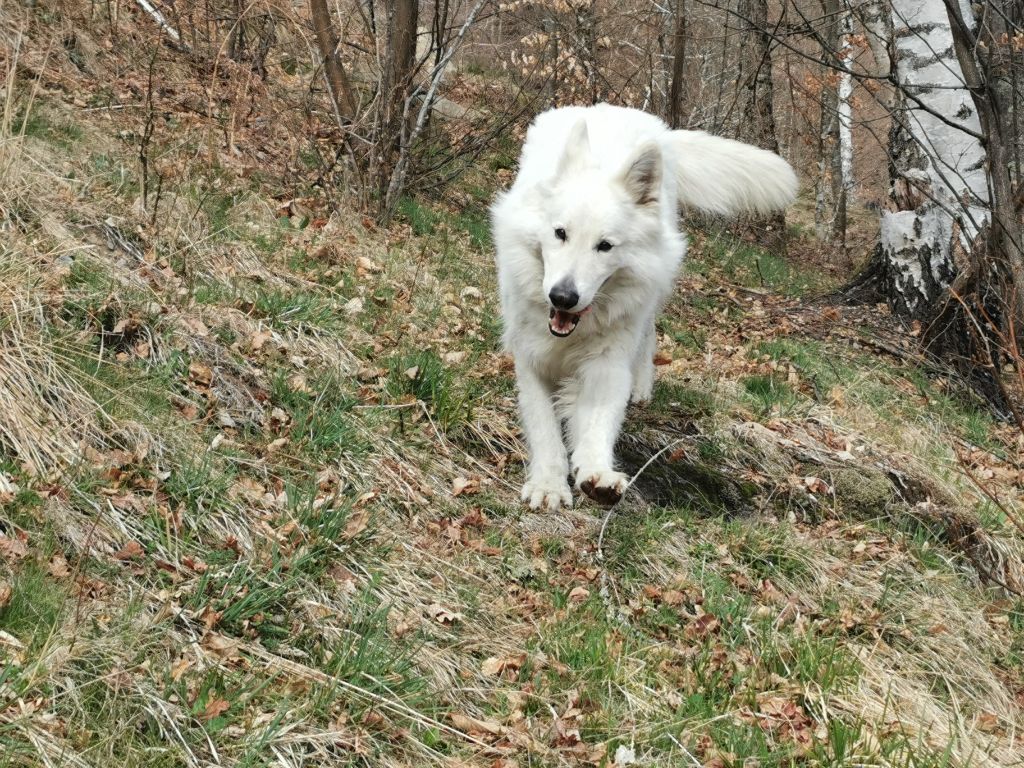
<point>595,223</point>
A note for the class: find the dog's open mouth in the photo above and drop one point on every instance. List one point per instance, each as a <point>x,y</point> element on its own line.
<point>562,323</point>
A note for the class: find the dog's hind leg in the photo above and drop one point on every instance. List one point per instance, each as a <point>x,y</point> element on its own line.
<point>643,367</point>
<point>603,391</point>
<point>546,484</point>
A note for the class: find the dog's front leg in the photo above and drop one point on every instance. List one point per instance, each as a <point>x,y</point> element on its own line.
<point>546,484</point>
<point>643,366</point>
<point>604,388</point>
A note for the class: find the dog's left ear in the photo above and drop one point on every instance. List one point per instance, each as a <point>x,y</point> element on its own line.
<point>641,175</point>
<point>576,153</point>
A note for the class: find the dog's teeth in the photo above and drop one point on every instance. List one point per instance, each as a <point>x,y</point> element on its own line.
<point>562,323</point>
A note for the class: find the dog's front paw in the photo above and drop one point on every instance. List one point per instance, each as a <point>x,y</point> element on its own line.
<point>547,492</point>
<point>603,486</point>
<point>643,383</point>
<point>641,393</point>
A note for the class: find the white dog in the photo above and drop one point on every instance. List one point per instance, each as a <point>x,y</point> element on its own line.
<point>588,246</point>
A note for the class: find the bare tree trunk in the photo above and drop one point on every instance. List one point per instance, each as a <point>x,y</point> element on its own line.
<point>876,18</point>
<point>675,98</point>
<point>337,81</point>
<point>939,196</point>
<point>395,86</point>
<point>827,187</point>
<point>551,30</point>
<point>844,107</point>
<point>983,68</point>
<point>400,59</point>
<point>758,116</point>
<point>428,91</point>
<point>586,47</point>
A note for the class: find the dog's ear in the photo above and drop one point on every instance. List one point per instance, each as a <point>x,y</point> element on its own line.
<point>577,150</point>
<point>641,175</point>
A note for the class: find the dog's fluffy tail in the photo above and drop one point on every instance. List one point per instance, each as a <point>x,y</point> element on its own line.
<point>723,176</point>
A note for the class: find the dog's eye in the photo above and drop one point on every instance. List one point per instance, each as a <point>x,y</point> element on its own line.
<point>560,233</point>
<point>604,245</point>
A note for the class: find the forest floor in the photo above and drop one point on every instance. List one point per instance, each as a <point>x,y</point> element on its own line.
<point>259,471</point>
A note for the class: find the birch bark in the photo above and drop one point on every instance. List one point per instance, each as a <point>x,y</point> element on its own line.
<point>938,199</point>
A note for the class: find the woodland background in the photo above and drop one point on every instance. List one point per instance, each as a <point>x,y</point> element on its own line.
<point>259,456</point>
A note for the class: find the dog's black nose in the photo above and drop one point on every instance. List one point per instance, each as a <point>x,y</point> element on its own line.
<point>564,295</point>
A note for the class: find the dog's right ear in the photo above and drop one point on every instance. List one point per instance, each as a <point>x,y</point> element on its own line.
<point>577,150</point>
<point>642,175</point>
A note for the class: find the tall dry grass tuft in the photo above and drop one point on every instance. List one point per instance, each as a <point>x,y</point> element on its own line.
<point>47,413</point>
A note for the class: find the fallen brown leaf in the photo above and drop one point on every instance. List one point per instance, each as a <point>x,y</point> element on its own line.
<point>356,524</point>
<point>579,594</point>
<point>220,645</point>
<point>494,665</point>
<point>465,485</point>
<point>258,339</point>
<point>475,726</point>
<point>58,567</point>
<point>442,615</point>
<point>672,597</point>
<point>200,373</point>
<point>13,549</point>
<point>195,326</point>
<point>702,626</point>
<point>130,551</point>
<point>214,708</point>
<point>179,668</point>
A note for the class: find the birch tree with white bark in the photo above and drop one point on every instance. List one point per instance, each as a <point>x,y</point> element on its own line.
<point>844,105</point>
<point>835,183</point>
<point>938,199</point>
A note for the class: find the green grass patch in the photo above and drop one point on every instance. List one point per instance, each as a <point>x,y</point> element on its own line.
<point>117,174</point>
<point>689,401</point>
<point>198,483</point>
<point>754,267</point>
<point>692,338</point>
<point>864,379</point>
<point>36,605</point>
<point>321,419</point>
<point>249,598</point>
<point>770,394</point>
<point>39,123</point>
<point>294,309</point>
<point>769,551</point>
<point>821,367</point>
<point>134,389</point>
<point>958,409</point>
<point>423,376</point>
<point>425,220</point>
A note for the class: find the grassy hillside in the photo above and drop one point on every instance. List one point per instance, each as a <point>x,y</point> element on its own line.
<point>259,472</point>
